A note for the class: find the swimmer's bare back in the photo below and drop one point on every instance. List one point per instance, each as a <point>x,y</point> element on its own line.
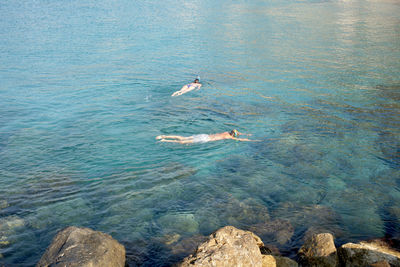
<point>228,135</point>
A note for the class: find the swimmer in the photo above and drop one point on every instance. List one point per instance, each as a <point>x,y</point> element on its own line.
<point>188,87</point>
<point>203,138</point>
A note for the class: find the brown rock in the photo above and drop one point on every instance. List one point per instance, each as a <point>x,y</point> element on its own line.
<point>276,261</point>
<point>83,247</point>
<point>380,264</point>
<point>269,249</point>
<point>316,229</point>
<point>227,247</point>
<point>319,250</point>
<point>368,253</point>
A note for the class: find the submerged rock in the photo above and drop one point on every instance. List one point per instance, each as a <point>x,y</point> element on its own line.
<point>3,204</point>
<point>393,222</point>
<point>4,240</point>
<point>10,223</point>
<point>169,239</point>
<point>251,211</point>
<point>187,245</point>
<point>280,231</point>
<point>64,213</point>
<point>240,213</point>
<point>82,247</point>
<point>230,211</point>
<point>386,142</point>
<point>208,220</point>
<point>319,250</point>
<point>228,247</point>
<point>310,217</point>
<point>179,223</point>
<point>360,211</point>
<point>367,253</point>
<point>8,227</point>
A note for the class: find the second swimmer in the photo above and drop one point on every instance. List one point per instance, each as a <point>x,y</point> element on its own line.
<point>203,138</point>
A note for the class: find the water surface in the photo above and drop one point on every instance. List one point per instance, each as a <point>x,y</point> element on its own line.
<point>85,89</point>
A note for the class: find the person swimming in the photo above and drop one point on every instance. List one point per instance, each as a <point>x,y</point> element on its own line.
<point>188,87</point>
<point>203,138</point>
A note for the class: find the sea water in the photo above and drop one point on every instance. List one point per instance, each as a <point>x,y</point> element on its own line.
<point>86,87</point>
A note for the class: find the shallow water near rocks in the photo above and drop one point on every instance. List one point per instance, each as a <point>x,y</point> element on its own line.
<point>85,89</point>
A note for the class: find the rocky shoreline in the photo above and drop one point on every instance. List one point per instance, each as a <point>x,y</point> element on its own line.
<point>228,246</point>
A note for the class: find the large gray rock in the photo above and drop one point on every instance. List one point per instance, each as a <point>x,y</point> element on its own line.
<point>83,247</point>
<point>319,250</point>
<point>228,247</point>
<point>368,253</point>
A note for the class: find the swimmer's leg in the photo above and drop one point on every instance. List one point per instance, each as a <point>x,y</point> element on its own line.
<point>177,93</point>
<point>177,141</point>
<point>178,137</point>
<point>183,90</point>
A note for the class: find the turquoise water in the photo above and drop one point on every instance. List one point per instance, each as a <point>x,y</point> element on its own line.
<point>85,89</point>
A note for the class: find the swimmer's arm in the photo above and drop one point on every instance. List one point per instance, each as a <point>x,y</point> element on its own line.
<point>244,134</point>
<point>245,139</point>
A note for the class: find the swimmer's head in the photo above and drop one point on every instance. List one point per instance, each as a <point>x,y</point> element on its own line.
<point>234,133</point>
<point>196,81</point>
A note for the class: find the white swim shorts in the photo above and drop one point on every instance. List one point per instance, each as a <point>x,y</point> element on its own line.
<point>200,138</point>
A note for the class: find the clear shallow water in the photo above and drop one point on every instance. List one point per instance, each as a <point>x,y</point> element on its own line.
<point>85,88</point>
